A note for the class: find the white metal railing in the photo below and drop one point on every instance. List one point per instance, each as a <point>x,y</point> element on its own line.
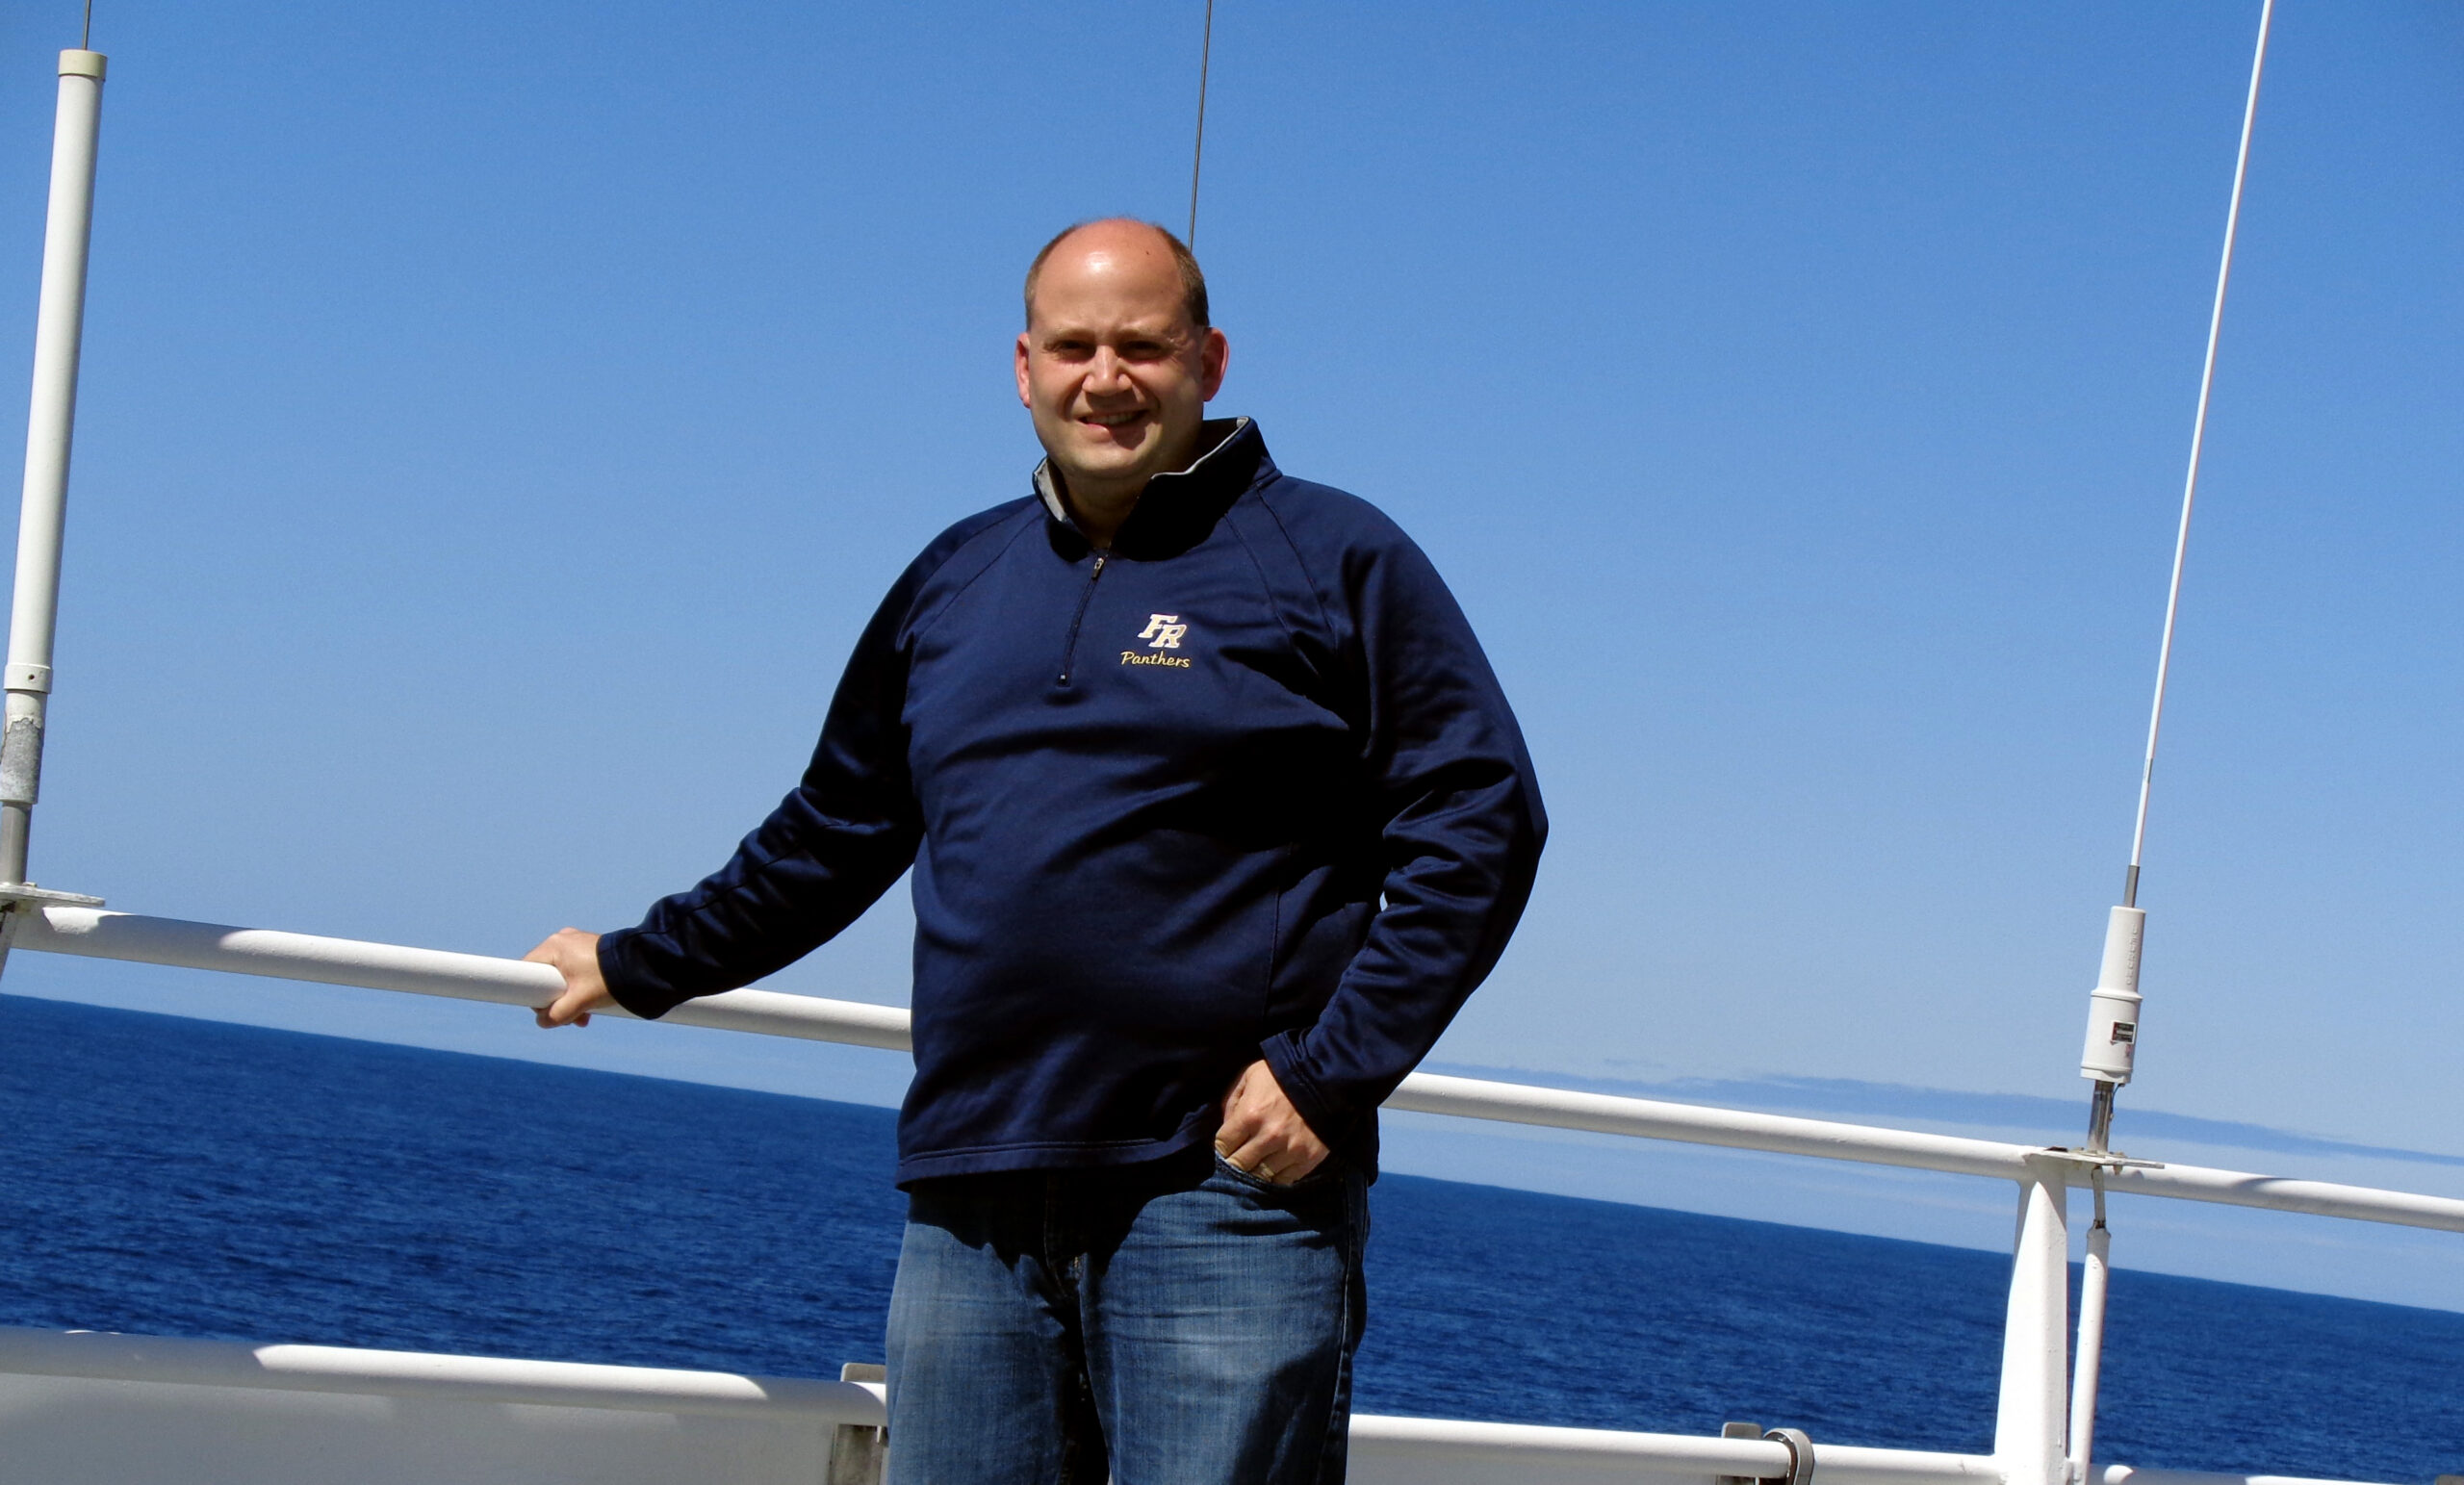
<point>488,1379</point>
<point>99,1356</point>
<point>1438,1443</point>
<point>2031,1443</point>
<point>96,934</point>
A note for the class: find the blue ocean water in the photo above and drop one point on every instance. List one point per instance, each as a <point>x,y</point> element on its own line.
<point>181,1177</point>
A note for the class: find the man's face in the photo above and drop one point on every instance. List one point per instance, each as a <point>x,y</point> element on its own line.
<point>1114,374</point>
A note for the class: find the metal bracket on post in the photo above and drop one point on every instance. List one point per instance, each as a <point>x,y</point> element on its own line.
<point>2100,1159</point>
<point>19,898</point>
<point>1735,1430</point>
<point>858,1455</point>
<point>15,893</point>
<point>1800,1453</point>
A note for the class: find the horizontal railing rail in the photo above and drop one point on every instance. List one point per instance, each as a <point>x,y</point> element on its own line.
<point>102,1356</point>
<point>1782,1134</point>
<point>269,953</point>
<point>97,933</point>
<point>1453,1442</point>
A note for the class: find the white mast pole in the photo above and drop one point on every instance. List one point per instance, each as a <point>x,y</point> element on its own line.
<point>59,331</point>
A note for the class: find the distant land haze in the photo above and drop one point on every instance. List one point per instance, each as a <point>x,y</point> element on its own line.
<point>1867,1102</point>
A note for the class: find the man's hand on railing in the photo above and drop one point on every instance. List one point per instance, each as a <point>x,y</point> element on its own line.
<point>576,956</point>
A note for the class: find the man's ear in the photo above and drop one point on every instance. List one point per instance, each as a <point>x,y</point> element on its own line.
<point>1215,358</point>
<point>1024,400</point>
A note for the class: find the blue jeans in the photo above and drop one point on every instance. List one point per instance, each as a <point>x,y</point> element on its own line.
<point>1176,1325</point>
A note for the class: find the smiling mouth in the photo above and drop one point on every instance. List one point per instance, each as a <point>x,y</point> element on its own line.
<point>1113,423</point>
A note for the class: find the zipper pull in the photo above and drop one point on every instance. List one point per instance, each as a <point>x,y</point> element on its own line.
<point>1069,651</point>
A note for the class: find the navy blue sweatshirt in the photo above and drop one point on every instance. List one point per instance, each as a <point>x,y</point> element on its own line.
<point>1241,786</point>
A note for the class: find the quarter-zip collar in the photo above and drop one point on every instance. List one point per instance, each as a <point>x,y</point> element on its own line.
<point>1177,508</point>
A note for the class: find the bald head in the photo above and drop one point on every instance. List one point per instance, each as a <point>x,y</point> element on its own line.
<point>1116,364</point>
<point>1122,244</point>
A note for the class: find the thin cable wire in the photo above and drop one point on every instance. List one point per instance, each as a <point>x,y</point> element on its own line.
<point>86,41</point>
<point>1197,152</point>
<point>2198,445</point>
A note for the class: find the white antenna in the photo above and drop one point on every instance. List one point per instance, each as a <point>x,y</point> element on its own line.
<point>1197,150</point>
<point>2112,1007</point>
<point>2113,1022</point>
<point>2198,446</point>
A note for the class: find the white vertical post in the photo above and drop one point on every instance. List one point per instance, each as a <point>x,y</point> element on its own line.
<point>59,330</point>
<point>2028,1432</point>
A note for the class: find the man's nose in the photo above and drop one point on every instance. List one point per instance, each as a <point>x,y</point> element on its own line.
<point>1105,372</point>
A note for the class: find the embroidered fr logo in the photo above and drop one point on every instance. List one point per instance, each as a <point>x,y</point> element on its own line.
<point>1162,632</point>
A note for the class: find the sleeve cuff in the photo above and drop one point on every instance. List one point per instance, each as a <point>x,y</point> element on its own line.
<point>1327,1120</point>
<point>627,987</point>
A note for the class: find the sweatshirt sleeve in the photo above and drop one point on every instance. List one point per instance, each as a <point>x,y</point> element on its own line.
<point>833,845</point>
<point>1461,833</point>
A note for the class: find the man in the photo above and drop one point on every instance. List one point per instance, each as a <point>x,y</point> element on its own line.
<point>1217,815</point>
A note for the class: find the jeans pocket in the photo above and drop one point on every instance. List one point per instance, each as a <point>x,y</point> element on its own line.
<point>1323,1175</point>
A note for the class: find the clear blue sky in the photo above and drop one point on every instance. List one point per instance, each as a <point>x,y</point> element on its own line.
<point>500,418</point>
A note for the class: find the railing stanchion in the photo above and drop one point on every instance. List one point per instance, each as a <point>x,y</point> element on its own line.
<point>2029,1428</point>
